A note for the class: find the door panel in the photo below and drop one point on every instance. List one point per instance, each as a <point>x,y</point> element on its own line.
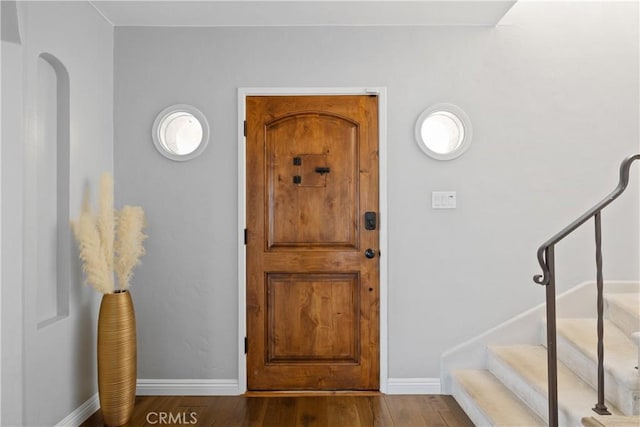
<point>312,318</point>
<point>312,295</point>
<point>317,210</point>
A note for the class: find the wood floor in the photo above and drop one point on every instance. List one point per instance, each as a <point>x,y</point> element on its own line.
<point>295,410</point>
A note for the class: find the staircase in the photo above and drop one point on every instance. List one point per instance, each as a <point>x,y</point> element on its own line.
<point>511,388</point>
<point>580,360</point>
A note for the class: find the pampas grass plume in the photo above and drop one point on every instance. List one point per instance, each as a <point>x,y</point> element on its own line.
<point>94,263</point>
<point>129,243</point>
<point>109,242</point>
<point>106,217</point>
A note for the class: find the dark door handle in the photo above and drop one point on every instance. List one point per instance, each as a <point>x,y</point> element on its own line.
<point>370,253</point>
<point>323,170</point>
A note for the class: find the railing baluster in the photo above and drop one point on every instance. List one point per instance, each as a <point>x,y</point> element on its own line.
<point>552,358</point>
<point>600,407</point>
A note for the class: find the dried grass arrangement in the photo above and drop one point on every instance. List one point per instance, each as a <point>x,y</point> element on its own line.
<point>110,242</point>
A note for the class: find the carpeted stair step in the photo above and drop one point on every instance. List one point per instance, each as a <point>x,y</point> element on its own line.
<point>523,369</point>
<point>577,348</point>
<point>488,402</point>
<point>611,421</point>
<point>624,310</point>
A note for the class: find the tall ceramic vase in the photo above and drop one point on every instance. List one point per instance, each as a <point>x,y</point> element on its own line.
<point>117,361</point>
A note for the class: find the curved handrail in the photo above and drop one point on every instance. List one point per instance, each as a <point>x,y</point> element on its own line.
<point>543,279</point>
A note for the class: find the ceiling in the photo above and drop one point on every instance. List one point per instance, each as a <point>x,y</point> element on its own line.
<point>243,13</point>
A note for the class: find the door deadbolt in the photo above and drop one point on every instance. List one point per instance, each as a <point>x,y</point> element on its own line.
<point>370,221</point>
<point>370,253</point>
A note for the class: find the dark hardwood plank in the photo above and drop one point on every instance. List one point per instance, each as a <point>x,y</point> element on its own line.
<point>297,410</point>
<point>453,415</point>
<point>433,416</point>
<point>437,403</point>
<point>343,412</point>
<point>413,411</point>
<point>373,411</point>
<point>281,411</point>
<point>254,411</point>
<point>311,412</point>
<point>223,412</point>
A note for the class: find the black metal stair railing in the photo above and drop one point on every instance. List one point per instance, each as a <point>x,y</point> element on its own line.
<point>546,259</point>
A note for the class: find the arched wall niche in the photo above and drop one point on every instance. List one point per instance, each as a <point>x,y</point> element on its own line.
<point>49,163</point>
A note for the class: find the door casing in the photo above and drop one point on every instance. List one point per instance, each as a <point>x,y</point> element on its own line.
<point>243,93</point>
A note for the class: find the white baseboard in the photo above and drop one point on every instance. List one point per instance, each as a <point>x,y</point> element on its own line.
<point>414,386</point>
<point>184,387</point>
<point>81,414</point>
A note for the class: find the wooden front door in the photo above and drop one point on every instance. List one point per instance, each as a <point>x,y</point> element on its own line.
<point>312,243</point>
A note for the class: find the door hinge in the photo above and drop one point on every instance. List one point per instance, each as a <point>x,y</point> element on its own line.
<point>245,128</point>
<point>245,236</point>
<point>246,345</point>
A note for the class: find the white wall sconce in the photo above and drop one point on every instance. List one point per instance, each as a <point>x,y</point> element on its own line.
<point>443,131</point>
<point>180,132</point>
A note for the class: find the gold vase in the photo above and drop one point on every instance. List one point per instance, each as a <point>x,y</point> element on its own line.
<point>117,361</point>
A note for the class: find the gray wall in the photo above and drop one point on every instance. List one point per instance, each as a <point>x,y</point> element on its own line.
<point>49,370</point>
<point>553,97</point>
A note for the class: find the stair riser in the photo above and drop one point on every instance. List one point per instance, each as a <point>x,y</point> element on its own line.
<point>627,322</point>
<point>526,392</point>
<point>627,401</point>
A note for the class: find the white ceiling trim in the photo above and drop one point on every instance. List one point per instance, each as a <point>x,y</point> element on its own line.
<point>287,13</point>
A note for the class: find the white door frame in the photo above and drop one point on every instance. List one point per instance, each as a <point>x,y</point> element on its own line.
<point>243,93</point>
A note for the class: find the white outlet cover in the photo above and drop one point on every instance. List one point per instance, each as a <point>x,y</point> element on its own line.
<point>443,199</point>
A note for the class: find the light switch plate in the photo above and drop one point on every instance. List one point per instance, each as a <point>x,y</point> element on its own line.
<point>443,199</point>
